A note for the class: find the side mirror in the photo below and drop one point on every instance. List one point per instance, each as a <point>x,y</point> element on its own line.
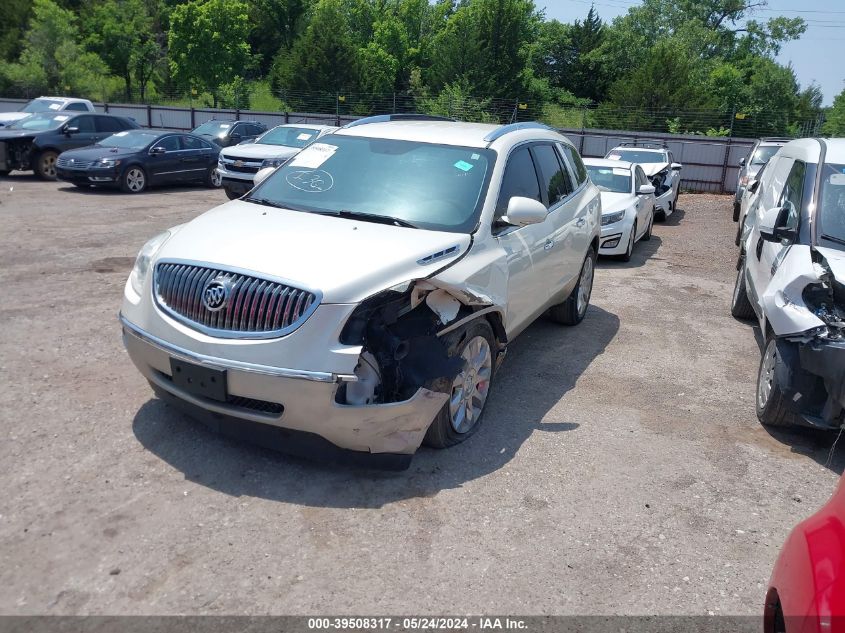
<point>677,166</point>
<point>157,150</point>
<point>236,138</point>
<point>773,225</point>
<point>753,186</point>
<point>524,211</point>
<point>645,190</point>
<point>261,175</point>
<point>742,162</point>
<point>71,130</point>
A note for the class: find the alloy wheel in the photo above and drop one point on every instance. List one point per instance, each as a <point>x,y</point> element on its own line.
<point>48,165</point>
<point>767,374</point>
<point>135,180</point>
<point>585,286</point>
<point>471,385</point>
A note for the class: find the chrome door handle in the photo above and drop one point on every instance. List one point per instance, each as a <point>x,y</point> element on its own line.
<point>580,222</point>
<point>548,245</point>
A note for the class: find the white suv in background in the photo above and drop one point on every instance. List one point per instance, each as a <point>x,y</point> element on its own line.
<point>362,296</point>
<point>47,104</point>
<point>659,165</point>
<point>238,164</point>
<point>791,278</point>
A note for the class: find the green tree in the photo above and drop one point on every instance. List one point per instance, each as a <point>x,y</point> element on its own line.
<point>275,26</point>
<point>324,58</point>
<point>834,124</point>
<point>208,43</point>
<point>121,33</point>
<point>51,59</point>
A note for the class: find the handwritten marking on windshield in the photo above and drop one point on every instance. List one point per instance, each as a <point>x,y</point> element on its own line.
<point>310,180</point>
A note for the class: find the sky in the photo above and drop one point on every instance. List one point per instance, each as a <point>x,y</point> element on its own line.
<point>817,56</point>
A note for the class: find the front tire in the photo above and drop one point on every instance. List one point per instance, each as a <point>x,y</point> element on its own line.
<point>232,195</point>
<point>771,403</point>
<point>647,235</point>
<point>461,416</point>
<point>741,307</point>
<point>45,165</point>
<point>737,207</point>
<point>134,179</point>
<point>572,311</point>
<point>629,250</point>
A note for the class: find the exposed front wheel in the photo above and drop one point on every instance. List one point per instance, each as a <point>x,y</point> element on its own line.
<point>134,180</point>
<point>572,311</point>
<point>232,195</point>
<point>771,404</point>
<point>461,415</point>
<point>45,165</point>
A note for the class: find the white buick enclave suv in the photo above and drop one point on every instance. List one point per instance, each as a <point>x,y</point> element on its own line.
<point>362,296</point>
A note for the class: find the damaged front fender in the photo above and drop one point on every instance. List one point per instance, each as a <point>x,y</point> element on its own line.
<point>783,298</point>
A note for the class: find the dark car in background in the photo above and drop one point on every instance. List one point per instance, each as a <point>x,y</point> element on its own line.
<point>229,132</point>
<point>136,159</point>
<point>35,142</point>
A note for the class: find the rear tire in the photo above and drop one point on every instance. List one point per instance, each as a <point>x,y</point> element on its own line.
<point>737,207</point>
<point>461,416</point>
<point>45,165</point>
<point>740,305</point>
<point>660,215</point>
<point>572,311</point>
<point>772,409</point>
<point>213,179</point>
<point>738,232</point>
<point>647,235</point>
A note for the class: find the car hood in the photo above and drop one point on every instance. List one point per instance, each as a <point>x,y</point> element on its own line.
<point>93,152</point>
<point>11,134</point>
<point>835,260</point>
<point>347,260</point>
<point>259,150</point>
<point>612,201</point>
<point>653,168</point>
<point>9,117</point>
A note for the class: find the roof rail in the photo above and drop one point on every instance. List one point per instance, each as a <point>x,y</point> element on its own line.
<point>385,118</point>
<point>645,144</point>
<point>785,139</point>
<point>499,132</point>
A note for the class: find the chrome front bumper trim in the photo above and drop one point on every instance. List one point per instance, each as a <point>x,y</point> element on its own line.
<point>219,363</point>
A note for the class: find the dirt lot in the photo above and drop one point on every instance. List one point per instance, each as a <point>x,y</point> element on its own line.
<point>620,468</point>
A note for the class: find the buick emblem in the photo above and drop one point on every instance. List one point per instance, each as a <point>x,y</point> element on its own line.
<point>215,295</point>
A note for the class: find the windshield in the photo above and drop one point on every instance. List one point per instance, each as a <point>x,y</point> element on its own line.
<point>288,136</point>
<point>763,154</point>
<point>638,156</point>
<point>130,139</point>
<point>214,128</point>
<point>436,187</point>
<point>42,105</point>
<point>39,122</point>
<point>612,179</point>
<point>832,206</point>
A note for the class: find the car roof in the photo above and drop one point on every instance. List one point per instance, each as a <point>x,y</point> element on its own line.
<point>307,126</point>
<point>835,150</point>
<point>65,99</point>
<point>607,162</point>
<point>804,149</point>
<point>457,133</point>
<point>639,149</point>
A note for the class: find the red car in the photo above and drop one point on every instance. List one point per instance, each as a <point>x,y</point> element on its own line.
<point>807,590</point>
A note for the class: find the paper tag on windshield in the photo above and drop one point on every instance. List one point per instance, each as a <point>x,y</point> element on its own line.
<point>618,171</point>
<point>55,106</point>
<point>63,117</point>
<point>303,137</point>
<point>614,157</point>
<point>837,179</point>
<point>313,156</point>
<point>121,133</point>
<point>225,126</point>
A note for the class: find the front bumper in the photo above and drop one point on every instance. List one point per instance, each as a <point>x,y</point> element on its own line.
<point>88,176</point>
<point>237,181</point>
<point>827,361</point>
<point>614,237</point>
<point>294,400</point>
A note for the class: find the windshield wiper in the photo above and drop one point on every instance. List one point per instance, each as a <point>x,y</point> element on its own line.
<point>838,240</point>
<point>371,217</point>
<point>266,202</point>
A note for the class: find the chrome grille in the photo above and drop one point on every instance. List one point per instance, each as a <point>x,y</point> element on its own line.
<point>73,163</point>
<point>254,308</point>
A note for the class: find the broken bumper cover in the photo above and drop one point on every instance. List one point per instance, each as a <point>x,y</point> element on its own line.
<point>299,404</point>
<point>827,361</point>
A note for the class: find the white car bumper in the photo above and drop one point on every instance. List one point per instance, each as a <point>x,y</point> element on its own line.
<point>614,237</point>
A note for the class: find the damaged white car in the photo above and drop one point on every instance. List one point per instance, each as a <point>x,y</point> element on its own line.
<point>791,277</point>
<point>659,165</point>
<point>362,296</point>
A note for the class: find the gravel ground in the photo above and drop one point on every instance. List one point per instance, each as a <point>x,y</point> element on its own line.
<point>620,468</point>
